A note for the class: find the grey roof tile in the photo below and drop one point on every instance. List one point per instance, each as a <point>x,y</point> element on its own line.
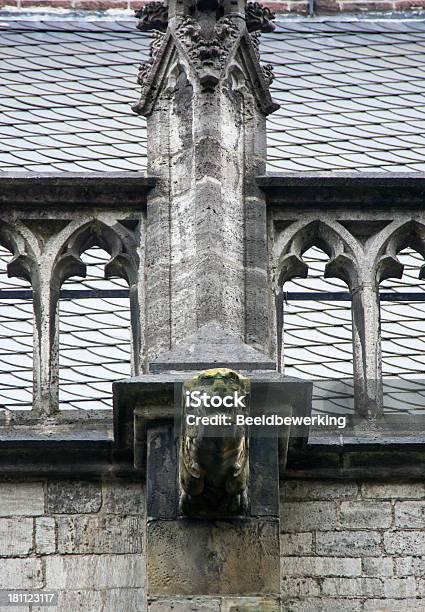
<point>352,94</point>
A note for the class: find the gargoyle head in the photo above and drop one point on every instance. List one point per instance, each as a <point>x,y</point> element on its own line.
<point>214,448</point>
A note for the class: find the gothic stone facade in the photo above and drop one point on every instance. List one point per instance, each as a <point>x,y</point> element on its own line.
<point>205,243</point>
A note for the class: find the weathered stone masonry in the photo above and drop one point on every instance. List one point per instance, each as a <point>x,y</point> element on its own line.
<point>84,539</point>
<point>206,244</point>
<point>353,546</point>
<point>346,546</point>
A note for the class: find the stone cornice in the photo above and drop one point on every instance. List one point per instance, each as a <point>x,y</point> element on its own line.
<point>406,189</point>
<point>86,190</point>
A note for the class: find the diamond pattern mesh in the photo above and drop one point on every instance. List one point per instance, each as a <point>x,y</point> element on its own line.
<point>352,98</point>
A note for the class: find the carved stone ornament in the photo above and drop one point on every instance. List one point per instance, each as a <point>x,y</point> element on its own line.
<point>256,39</point>
<point>145,67</point>
<point>208,52</point>
<point>259,18</point>
<point>144,70</point>
<point>268,73</point>
<point>209,36</point>
<point>214,458</point>
<point>152,16</point>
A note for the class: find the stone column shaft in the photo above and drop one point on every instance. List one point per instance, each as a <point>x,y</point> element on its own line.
<point>367,367</point>
<point>206,100</point>
<point>46,347</point>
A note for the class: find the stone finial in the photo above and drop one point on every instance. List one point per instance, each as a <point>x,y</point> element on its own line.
<point>207,35</point>
<point>259,18</point>
<point>152,16</point>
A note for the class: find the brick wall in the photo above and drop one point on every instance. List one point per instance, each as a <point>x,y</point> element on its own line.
<point>353,546</point>
<point>83,539</point>
<point>321,7</point>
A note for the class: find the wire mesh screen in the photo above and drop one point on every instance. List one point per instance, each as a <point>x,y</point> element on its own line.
<point>318,333</point>
<point>94,344</point>
<point>16,342</point>
<point>403,339</point>
<point>317,338</point>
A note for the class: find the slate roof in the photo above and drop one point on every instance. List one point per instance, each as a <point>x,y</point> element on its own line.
<point>351,94</point>
<point>352,98</point>
<point>65,96</point>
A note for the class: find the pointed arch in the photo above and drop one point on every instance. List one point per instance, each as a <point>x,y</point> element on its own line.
<point>410,234</point>
<point>99,337</point>
<point>342,262</point>
<point>116,240</point>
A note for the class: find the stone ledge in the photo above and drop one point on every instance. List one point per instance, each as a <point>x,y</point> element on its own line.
<point>85,190</point>
<point>342,189</point>
<point>356,461</point>
<point>86,449</point>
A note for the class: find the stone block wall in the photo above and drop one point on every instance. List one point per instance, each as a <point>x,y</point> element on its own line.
<point>355,546</point>
<point>83,539</point>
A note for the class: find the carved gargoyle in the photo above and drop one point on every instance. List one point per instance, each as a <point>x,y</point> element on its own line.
<point>152,16</point>
<point>259,18</point>
<point>208,53</point>
<point>213,458</point>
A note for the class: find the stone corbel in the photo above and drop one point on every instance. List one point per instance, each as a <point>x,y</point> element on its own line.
<point>191,471</point>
